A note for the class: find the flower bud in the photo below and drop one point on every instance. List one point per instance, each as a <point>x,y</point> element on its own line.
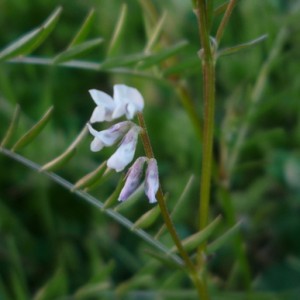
<point>152,181</point>
<point>133,178</point>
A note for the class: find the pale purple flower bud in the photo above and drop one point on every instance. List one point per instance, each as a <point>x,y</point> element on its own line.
<point>128,101</point>
<point>105,106</point>
<point>109,136</point>
<point>152,181</point>
<point>125,153</point>
<point>133,178</point>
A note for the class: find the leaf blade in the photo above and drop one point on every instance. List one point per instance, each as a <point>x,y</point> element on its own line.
<point>240,47</point>
<point>77,50</point>
<point>31,40</point>
<point>33,131</point>
<point>84,29</point>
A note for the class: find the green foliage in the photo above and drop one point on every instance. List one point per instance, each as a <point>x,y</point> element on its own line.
<point>54,246</point>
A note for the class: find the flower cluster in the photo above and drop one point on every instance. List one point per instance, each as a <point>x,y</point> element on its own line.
<point>126,101</point>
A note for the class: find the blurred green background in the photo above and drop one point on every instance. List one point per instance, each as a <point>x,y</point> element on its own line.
<point>54,246</point>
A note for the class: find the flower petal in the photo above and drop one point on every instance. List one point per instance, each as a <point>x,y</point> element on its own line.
<point>152,181</point>
<point>101,98</point>
<point>128,100</point>
<point>105,106</point>
<point>96,145</point>
<point>109,136</point>
<point>133,178</point>
<point>98,115</point>
<point>125,153</point>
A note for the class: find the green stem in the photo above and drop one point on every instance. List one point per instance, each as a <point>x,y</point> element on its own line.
<point>203,30</point>
<point>94,202</point>
<point>200,286</point>
<point>225,20</point>
<point>208,134</point>
<point>208,70</point>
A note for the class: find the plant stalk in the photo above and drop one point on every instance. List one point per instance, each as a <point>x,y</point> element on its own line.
<point>208,71</point>
<point>225,20</point>
<point>200,286</point>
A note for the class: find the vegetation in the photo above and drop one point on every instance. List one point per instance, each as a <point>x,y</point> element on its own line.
<point>65,236</point>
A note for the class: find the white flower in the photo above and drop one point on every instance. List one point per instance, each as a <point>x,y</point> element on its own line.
<point>127,101</point>
<point>105,106</point>
<point>109,136</point>
<point>125,153</point>
<point>133,178</point>
<point>152,181</point>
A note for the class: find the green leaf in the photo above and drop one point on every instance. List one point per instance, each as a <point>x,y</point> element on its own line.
<point>116,37</point>
<point>62,159</point>
<point>30,41</point>
<point>220,9</point>
<point>12,127</point>
<point>131,200</point>
<point>91,290</point>
<point>164,259</point>
<point>178,206</point>
<point>198,238</point>
<point>189,65</point>
<point>145,60</point>
<point>163,55</point>
<point>113,198</point>
<point>91,177</point>
<point>54,287</point>
<point>77,50</point>
<point>101,180</point>
<point>148,218</point>
<point>156,33</point>
<point>34,131</point>
<point>238,48</point>
<point>18,286</point>
<point>84,29</point>
<point>121,61</point>
<point>4,289</point>
<point>59,161</point>
<point>218,243</point>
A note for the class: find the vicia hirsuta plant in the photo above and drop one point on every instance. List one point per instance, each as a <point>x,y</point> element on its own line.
<point>127,102</point>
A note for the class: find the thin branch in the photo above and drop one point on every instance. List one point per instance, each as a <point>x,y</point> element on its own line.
<point>225,20</point>
<point>94,202</point>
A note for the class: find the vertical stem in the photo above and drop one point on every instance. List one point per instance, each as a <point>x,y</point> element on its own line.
<point>200,286</point>
<point>208,70</point>
<point>208,134</point>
